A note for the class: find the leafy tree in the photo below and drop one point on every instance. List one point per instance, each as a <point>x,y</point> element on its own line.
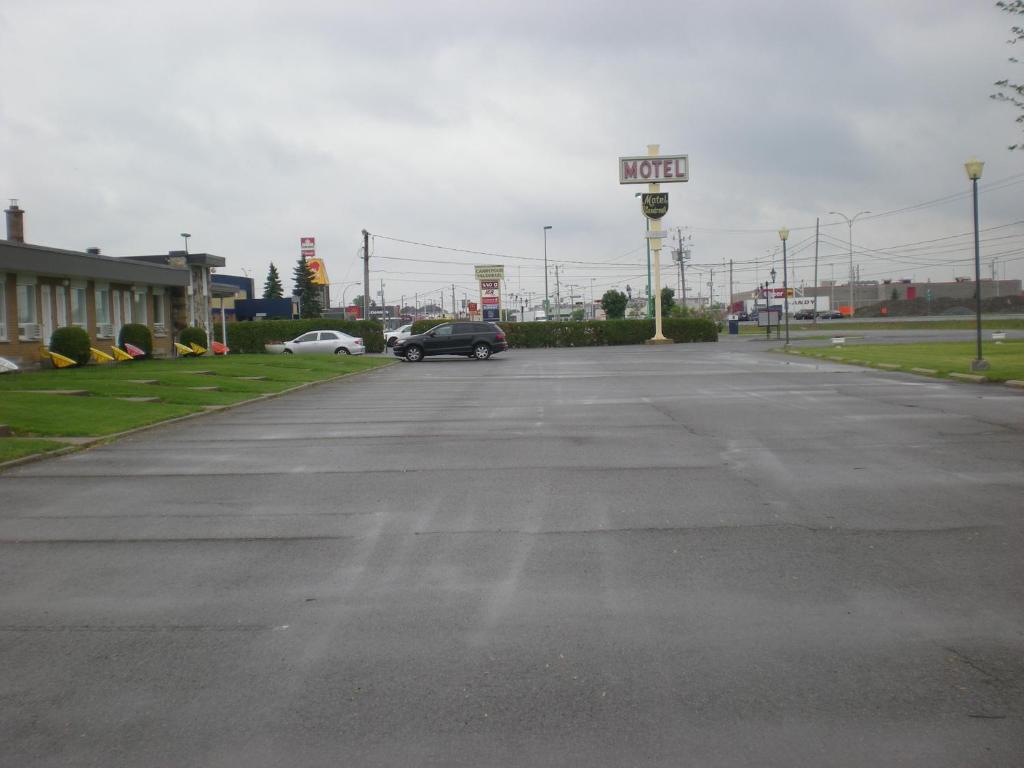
<point>668,300</point>
<point>309,295</point>
<point>614,304</point>
<point>273,289</point>
<point>1014,91</point>
<point>577,314</point>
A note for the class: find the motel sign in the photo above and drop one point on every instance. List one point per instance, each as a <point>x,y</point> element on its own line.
<point>659,169</point>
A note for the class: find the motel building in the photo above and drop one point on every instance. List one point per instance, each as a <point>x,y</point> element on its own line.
<point>42,289</point>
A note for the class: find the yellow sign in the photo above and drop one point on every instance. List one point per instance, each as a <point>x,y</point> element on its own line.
<point>316,266</point>
<point>490,271</point>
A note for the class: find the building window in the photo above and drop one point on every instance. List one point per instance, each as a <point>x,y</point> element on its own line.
<point>159,318</point>
<point>104,328</point>
<point>79,312</point>
<point>28,309</point>
<point>3,307</point>
<point>139,308</point>
<point>62,306</point>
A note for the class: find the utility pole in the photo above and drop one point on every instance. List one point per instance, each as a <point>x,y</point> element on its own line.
<point>817,225</point>
<point>455,312</point>
<point>730,285</point>
<point>558,297</point>
<point>711,289</point>
<point>366,275</point>
<point>383,305</point>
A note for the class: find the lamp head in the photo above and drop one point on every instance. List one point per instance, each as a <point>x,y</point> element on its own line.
<point>772,273</point>
<point>547,227</point>
<point>974,168</point>
<point>784,234</point>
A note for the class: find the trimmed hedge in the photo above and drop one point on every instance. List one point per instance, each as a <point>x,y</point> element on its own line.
<point>250,336</point>
<point>193,335</point>
<point>71,341</point>
<point>138,335</point>
<point>596,333</point>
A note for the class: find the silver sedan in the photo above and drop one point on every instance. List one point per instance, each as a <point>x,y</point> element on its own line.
<point>325,342</point>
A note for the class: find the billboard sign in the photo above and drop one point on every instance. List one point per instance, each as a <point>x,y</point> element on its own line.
<point>316,266</point>
<point>307,245</point>
<point>662,169</point>
<point>490,271</point>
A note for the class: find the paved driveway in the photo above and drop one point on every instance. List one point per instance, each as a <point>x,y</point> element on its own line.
<point>691,555</point>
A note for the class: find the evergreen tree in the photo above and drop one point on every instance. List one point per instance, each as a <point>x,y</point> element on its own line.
<point>273,289</point>
<point>309,294</point>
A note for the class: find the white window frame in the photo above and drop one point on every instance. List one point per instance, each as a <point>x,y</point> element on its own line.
<point>81,289</point>
<point>62,305</point>
<point>30,282</point>
<point>140,310</point>
<point>159,311</point>
<point>3,306</point>
<point>104,312</point>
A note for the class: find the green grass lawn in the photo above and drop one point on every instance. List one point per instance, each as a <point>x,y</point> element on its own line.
<point>841,327</point>
<point>178,384</point>
<point>945,357</point>
<point>16,447</point>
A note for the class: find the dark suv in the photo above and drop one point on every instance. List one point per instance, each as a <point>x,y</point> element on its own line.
<point>476,340</point>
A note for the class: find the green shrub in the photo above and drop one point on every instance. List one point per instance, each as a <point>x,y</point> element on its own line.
<point>193,335</point>
<point>138,335</point>
<point>595,333</point>
<point>250,336</point>
<point>71,341</point>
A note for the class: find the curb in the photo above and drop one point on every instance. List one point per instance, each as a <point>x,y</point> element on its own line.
<point>90,442</point>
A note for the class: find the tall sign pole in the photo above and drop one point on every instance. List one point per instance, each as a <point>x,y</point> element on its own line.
<point>653,170</point>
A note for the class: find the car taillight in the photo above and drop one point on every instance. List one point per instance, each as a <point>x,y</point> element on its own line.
<point>499,337</point>
<point>359,342</point>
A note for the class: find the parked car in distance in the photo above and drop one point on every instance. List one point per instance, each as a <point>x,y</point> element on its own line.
<point>830,314</point>
<point>804,314</point>
<point>390,337</point>
<point>325,342</point>
<point>743,316</point>
<point>472,339</point>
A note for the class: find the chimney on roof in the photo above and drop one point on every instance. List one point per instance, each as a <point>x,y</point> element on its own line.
<point>15,223</point>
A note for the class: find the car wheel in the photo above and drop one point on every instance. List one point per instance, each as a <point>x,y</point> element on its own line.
<point>481,351</point>
<point>288,352</point>
<point>414,354</point>
<point>342,351</point>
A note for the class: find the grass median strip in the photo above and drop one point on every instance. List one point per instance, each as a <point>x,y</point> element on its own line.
<point>843,327</point>
<point>31,411</point>
<point>940,358</point>
<point>18,447</point>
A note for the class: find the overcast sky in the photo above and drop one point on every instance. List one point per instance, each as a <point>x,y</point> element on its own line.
<point>471,125</point>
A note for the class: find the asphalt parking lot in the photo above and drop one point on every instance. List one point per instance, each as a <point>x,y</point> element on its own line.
<point>687,555</point>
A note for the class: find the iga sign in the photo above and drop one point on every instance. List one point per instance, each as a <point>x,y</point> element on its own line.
<point>662,169</point>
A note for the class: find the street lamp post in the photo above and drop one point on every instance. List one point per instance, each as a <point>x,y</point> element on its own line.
<point>849,223</point>
<point>974,168</point>
<point>784,236</point>
<point>547,299</point>
<point>186,236</point>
